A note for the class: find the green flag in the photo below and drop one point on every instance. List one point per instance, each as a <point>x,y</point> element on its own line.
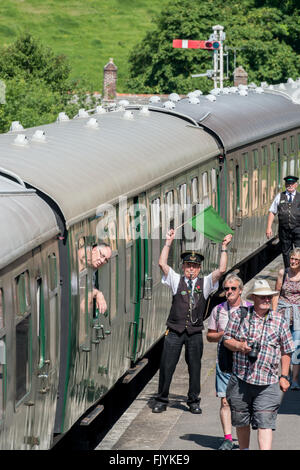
<point>211,224</point>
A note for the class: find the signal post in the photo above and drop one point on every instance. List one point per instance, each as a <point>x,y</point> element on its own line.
<point>215,44</point>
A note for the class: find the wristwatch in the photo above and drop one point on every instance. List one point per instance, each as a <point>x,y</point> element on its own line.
<point>285,377</point>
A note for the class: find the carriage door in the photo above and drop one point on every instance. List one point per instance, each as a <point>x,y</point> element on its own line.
<point>140,276</point>
<point>45,357</point>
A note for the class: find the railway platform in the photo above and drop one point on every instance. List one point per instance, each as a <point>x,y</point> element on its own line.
<point>177,429</point>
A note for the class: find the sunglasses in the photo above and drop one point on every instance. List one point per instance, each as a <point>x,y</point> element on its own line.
<point>263,297</point>
<point>294,259</point>
<point>229,288</point>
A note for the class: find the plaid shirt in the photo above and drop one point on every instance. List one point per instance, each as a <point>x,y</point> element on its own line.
<point>273,334</point>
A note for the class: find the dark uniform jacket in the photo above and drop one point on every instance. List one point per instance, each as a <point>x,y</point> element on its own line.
<point>180,317</point>
<point>289,212</point>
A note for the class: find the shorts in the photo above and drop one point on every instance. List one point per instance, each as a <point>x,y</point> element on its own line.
<point>295,360</point>
<point>253,404</point>
<point>222,379</point>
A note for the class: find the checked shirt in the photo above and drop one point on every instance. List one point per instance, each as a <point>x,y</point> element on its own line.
<point>273,334</point>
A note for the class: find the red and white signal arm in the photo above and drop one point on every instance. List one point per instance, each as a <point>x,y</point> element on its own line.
<point>190,44</point>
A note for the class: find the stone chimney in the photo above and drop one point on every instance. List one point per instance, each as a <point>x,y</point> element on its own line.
<point>110,81</point>
<point>240,76</point>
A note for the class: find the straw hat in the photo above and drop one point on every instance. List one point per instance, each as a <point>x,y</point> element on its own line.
<point>261,287</point>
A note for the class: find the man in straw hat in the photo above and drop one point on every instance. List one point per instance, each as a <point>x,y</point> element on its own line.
<point>287,206</point>
<point>259,343</point>
<point>185,321</point>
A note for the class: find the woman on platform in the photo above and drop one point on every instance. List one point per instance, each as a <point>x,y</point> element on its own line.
<point>288,303</point>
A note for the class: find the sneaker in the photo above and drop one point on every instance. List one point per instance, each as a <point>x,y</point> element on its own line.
<point>226,445</point>
<point>295,386</point>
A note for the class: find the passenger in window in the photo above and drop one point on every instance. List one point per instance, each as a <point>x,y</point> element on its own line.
<point>185,321</point>
<point>101,254</point>
<point>287,206</point>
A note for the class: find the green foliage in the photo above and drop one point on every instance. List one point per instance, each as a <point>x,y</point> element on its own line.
<point>88,32</point>
<point>267,39</point>
<point>37,85</point>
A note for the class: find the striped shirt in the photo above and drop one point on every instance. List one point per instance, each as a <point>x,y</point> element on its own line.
<point>274,336</point>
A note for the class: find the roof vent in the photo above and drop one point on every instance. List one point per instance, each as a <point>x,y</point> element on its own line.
<point>259,90</point>
<point>194,100</point>
<point>123,103</point>
<point>62,117</point>
<point>211,98</point>
<point>100,110</point>
<point>169,105</point>
<point>290,80</point>
<point>243,92</point>
<point>145,111</point>
<point>16,126</point>
<point>82,113</point>
<point>154,99</point>
<point>215,91</point>
<point>174,97</point>
<point>92,123</point>
<point>39,136</point>
<point>233,89</point>
<point>21,140</point>
<point>128,115</point>
<point>197,93</point>
<point>281,86</point>
<point>225,91</point>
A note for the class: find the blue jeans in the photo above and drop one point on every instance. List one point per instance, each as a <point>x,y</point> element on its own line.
<point>173,343</point>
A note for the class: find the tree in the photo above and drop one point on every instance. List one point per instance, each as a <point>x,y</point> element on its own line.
<point>37,85</point>
<point>266,37</point>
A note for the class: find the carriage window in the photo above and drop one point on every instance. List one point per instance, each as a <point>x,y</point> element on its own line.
<point>264,155</point>
<point>292,144</point>
<point>182,192</point>
<point>237,182</point>
<point>255,189</point>
<point>273,151</point>
<point>23,336</point>
<point>81,255</point>
<point>52,271</point>
<point>23,330</point>
<point>155,237</point>
<point>284,146</point>
<point>204,184</point>
<point>195,190</point>
<point>245,159</point>
<point>53,305</point>
<point>292,166</point>
<point>284,169</point>
<point>1,309</point>
<point>40,321</point>
<point>23,297</point>
<point>2,375</point>
<point>170,206</point>
<point>264,183</point>
<point>245,194</point>
<point>255,158</point>
<point>214,188</point>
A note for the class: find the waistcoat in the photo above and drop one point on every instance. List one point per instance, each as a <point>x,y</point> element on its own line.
<point>289,212</point>
<point>181,318</point>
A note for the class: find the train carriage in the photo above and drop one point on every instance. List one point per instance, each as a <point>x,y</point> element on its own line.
<point>125,177</point>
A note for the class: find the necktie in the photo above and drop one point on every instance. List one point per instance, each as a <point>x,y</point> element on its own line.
<point>190,285</point>
<point>290,198</point>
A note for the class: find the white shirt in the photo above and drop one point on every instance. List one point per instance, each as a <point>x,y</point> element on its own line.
<point>274,205</point>
<point>172,280</point>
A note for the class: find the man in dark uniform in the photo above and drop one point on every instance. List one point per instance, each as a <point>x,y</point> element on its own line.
<point>185,321</point>
<point>287,206</point>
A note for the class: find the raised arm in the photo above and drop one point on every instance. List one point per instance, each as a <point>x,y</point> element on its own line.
<point>218,273</point>
<point>163,259</point>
